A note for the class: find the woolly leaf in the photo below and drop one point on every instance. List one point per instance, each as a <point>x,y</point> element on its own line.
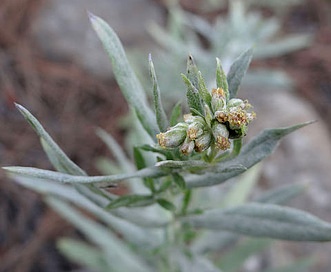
<point>125,76</point>
<point>265,220</point>
<point>237,71</point>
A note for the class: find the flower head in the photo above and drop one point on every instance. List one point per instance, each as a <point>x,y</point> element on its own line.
<point>214,118</point>
<point>173,137</point>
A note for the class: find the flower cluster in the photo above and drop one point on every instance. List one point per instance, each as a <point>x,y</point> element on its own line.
<point>223,119</point>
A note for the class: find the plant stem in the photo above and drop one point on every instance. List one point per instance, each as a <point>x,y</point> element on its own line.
<point>186,201</point>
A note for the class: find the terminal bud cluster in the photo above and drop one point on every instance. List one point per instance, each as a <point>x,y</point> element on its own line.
<point>221,120</point>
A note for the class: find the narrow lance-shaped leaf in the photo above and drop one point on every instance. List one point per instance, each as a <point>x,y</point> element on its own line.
<point>102,181</point>
<point>141,163</point>
<point>203,89</point>
<point>240,191</point>
<point>221,80</point>
<point>282,194</point>
<point>118,255</point>
<point>175,114</point>
<point>126,78</point>
<point>56,155</point>
<point>179,181</point>
<point>192,72</point>
<point>183,165</point>
<point>265,220</point>
<point>215,240</point>
<point>130,232</point>
<point>116,150</point>
<point>237,71</point>
<point>195,77</point>
<point>166,204</point>
<point>83,253</point>
<point>161,117</point>
<point>253,152</point>
<point>131,201</point>
<point>193,97</point>
<point>233,260</point>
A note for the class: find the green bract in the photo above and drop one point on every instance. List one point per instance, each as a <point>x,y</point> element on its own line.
<point>214,118</point>
<point>162,224</point>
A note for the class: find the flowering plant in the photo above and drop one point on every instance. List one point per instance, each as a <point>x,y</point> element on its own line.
<point>162,224</point>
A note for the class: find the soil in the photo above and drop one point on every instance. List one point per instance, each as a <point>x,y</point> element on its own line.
<point>71,104</point>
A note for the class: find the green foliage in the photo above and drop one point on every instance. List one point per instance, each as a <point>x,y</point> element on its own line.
<point>126,78</point>
<point>226,37</point>
<point>161,224</point>
<point>237,72</point>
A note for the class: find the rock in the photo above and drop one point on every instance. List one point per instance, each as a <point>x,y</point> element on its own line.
<point>63,31</point>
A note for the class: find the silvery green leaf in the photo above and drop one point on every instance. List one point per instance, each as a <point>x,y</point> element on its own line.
<point>264,220</point>
<point>193,97</point>
<point>253,152</point>
<point>126,78</point>
<point>161,116</point>
<point>274,79</point>
<point>118,255</point>
<point>183,165</point>
<point>179,181</point>
<point>192,72</point>
<point>221,80</point>
<point>205,94</point>
<point>129,231</point>
<point>139,158</point>
<point>116,150</point>
<point>284,46</point>
<point>107,166</point>
<point>211,241</point>
<point>151,217</point>
<point>282,194</point>
<point>131,201</point>
<point>234,259</point>
<point>177,47</point>
<point>216,240</point>
<point>195,77</point>
<point>102,181</point>
<point>237,71</point>
<point>166,204</point>
<point>191,263</point>
<point>162,37</point>
<point>83,254</point>
<point>241,189</point>
<point>175,114</point>
<point>57,157</point>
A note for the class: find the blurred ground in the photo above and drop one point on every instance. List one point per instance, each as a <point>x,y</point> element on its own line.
<point>71,103</point>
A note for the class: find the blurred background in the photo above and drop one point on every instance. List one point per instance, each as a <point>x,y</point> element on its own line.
<point>53,64</point>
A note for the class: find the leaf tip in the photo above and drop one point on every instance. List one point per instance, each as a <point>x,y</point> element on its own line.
<point>21,109</point>
<point>91,16</point>
<point>18,106</point>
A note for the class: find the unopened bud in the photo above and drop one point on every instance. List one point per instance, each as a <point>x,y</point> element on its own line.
<point>187,147</point>
<point>236,102</point>
<point>208,114</point>
<point>221,135</point>
<point>203,142</point>
<point>221,116</point>
<point>196,128</point>
<point>218,99</point>
<point>174,137</point>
